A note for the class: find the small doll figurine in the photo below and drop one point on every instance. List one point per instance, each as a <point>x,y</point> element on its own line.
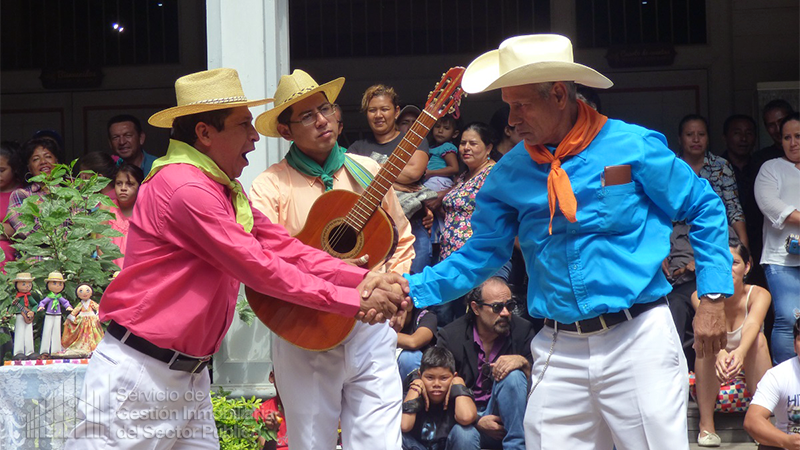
<point>23,328</point>
<point>52,304</point>
<point>82,330</point>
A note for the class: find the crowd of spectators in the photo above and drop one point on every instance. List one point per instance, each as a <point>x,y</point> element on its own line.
<point>124,166</point>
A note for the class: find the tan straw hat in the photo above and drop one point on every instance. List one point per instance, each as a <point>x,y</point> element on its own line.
<point>291,89</point>
<point>22,276</point>
<point>55,276</point>
<point>205,91</point>
<point>535,58</point>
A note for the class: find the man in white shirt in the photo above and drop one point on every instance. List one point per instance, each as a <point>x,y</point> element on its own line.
<point>778,392</point>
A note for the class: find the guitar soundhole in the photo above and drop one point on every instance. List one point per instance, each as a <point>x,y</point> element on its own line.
<point>342,239</point>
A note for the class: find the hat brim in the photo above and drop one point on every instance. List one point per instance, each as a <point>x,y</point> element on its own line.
<point>483,74</point>
<point>267,122</point>
<point>164,119</point>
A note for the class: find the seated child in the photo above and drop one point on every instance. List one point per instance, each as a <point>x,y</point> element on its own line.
<point>442,165</point>
<point>778,393</point>
<point>437,405</point>
<point>271,413</point>
<point>419,328</point>
<point>443,162</point>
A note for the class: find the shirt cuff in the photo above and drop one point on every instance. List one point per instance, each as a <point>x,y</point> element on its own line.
<point>350,276</point>
<point>421,293</point>
<point>713,280</point>
<point>348,302</point>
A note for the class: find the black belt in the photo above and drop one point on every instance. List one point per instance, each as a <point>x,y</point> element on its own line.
<point>176,360</point>
<point>605,321</point>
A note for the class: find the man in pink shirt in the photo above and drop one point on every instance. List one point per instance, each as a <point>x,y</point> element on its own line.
<point>193,239</point>
<point>356,381</point>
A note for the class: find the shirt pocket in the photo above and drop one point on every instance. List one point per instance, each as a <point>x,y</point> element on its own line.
<point>620,208</point>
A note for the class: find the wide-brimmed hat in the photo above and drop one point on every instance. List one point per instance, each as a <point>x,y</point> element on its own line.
<point>54,276</point>
<point>205,91</point>
<point>535,58</point>
<point>291,89</point>
<point>23,276</point>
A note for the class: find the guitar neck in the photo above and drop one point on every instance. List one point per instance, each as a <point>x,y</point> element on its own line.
<point>377,189</point>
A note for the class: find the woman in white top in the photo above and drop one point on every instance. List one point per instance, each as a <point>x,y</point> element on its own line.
<point>777,191</point>
<point>746,349</point>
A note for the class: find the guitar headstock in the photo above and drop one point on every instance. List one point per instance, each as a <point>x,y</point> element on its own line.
<point>447,94</point>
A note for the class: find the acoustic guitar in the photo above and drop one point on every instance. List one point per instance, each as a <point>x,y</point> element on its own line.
<point>348,225</point>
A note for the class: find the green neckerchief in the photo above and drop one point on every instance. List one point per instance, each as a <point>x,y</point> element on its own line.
<point>183,153</point>
<point>305,165</point>
<point>53,295</point>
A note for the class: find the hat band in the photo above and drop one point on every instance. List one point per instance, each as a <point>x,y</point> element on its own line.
<point>299,93</point>
<point>238,98</point>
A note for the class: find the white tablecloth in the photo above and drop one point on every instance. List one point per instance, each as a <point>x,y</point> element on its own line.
<point>38,404</point>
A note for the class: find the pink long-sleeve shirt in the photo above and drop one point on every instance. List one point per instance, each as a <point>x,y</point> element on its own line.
<point>187,255</point>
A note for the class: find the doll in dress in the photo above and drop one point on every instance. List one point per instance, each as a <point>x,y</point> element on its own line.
<point>82,330</point>
<point>25,306</point>
<point>52,305</point>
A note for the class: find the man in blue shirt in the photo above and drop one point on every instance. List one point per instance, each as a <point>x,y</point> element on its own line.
<point>592,200</point>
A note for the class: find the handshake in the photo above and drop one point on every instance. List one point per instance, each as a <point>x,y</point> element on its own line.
<point>384,296</point>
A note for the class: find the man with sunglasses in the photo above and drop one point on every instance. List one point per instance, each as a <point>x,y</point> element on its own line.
<point>491,346</point>
<point>356,381</point>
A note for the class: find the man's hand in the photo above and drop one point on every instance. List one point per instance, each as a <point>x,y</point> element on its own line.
<point>793,442</point>
<point>506,364</point>
<point>358,262</point>
<point>382,296</point>
<point>491,426</point>
<point>427,221</point>
<point>709,328</point>
<point>272,421</point>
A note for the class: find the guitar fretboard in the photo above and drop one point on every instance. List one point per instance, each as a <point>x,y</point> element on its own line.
<point>377,189</point>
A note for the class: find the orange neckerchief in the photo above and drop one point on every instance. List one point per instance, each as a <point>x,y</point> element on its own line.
<point>579,137</point>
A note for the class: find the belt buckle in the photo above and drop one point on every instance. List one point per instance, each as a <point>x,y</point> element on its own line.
<point>578,327</point>
<point>188,364</point>
<point>201,364</point>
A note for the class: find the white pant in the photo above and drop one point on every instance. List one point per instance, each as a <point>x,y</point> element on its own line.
<point>357,381</point>
<point>133,401</point>
<point>23,337</point>
<point>627,386</point>
<point>51,334</point>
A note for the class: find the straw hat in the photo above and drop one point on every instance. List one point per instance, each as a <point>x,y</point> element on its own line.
<point>55,276</point>
<point>23,276</point>
<point>535,58</point>
<point>291,89</point>
<point>205,91</point>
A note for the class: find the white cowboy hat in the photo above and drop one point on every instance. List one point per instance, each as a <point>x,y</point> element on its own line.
<point>54,276</point>
<point>208,90</point>
<point>535,58</point>
<point>291,89</point>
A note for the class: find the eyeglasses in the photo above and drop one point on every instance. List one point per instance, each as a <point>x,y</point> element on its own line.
<point>308,119</point>
<point>497,308</point>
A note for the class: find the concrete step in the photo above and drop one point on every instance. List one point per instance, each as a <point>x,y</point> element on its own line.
<point>730,426</point>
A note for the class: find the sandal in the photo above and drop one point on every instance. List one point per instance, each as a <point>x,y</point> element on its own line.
<point>706,439</point>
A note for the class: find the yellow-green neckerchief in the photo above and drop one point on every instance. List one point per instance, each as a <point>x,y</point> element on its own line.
<point>183,153</point>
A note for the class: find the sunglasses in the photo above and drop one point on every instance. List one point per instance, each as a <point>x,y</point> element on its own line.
<point>497,308</point>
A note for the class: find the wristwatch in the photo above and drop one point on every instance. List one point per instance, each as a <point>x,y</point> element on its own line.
<point>714,298</point>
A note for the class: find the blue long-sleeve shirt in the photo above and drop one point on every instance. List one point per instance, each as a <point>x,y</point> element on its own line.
<point>611,257</point>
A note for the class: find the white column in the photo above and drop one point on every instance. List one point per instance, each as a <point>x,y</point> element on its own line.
<point>251,36</point>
